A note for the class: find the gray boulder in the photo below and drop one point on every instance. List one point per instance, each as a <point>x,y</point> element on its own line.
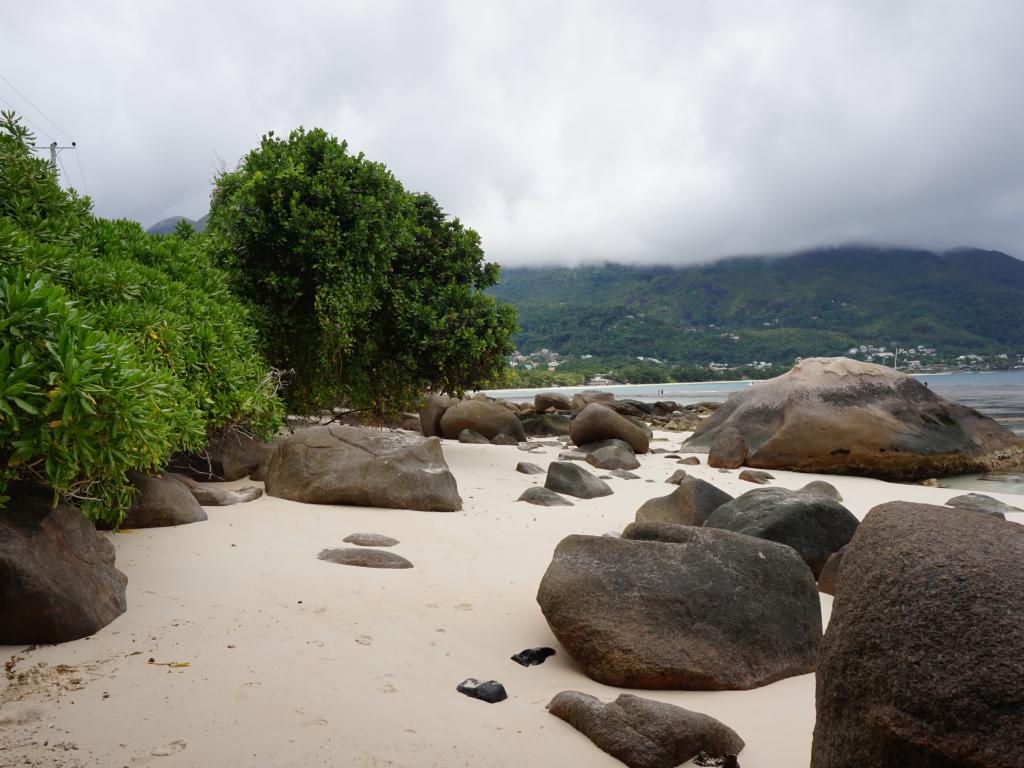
<point>624,474</point>
<point>921,665</point>
<point>828,579</point>
<point>542,497</point>
<point>598,422</point>
<point>57,576</point>
<point>230,456</point>
<point>472,438</point>
<point>716,611</point>
<point>546,424</point>
<point>643,733</point>
<point>812,524</point>
<point>502,439</point>
<point>582,399</point>
<point>209,495</point>
<point>364,558</point>
<point>370,540</point>
<point>979,502</point>
<point>756,476</point>
<point>161,502</point>
<point>544,400</point>
<point>676,477</point>
<point>824,489</point>
<point>337,464</point>
<point>485,417</point>
<point>432,411</point>
<point>574,480</point>
<point>689,504</point>
<point>610,454</point>
<point>527,468</point>
<point>847,417</point>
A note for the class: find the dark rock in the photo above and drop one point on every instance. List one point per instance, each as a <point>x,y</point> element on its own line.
<point>672,456</point>
<point>503,440</point>
<point>211,496</point>
<point>160,502</point>
<point>691,460</point>
<point>491,691</point>
<point>533,656</point>
<point>822,488</point>
<point>411,422</point>
<point>546,424</point>
<point>542,497</point>
<point>717,611</point>
<point>431,413</point>
<point>370,540</point>
<point>624,474</point>
<point>677,477</point>
<point>57,576</point>
<point>728,450</point>
<point>979,502</point>
<point>756,476</point>
<point>812,524</point>
<point>643,733</point>
<point>828,579</point>
<point>364,467</point>
<point>544,400</point>
<point>230,456</point>
<point>610,454</point>
<point>846,417</point>
<point>572,456</point>
<point>364,558</point>
<point>598,422</point>
<point>487,418</point>
<point>473,438</point>
<point>921,665</point>
<point>574,480</point>
<point>689,504</point>
<point>529,469</point>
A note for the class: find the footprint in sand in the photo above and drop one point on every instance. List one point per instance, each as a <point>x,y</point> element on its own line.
<point>464,607</point>
<point>364,639</point>
<point>167,750</point>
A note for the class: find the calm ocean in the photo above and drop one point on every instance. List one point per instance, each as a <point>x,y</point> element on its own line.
<point>999,394</point>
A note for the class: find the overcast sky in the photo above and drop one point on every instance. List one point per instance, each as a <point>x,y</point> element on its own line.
<point>562,131</point>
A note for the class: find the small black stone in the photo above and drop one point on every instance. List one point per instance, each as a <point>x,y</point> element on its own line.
<point>532,656</point>
<point>491,691</point>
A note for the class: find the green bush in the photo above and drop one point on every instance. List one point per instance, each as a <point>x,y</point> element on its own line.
<point>117,348</point>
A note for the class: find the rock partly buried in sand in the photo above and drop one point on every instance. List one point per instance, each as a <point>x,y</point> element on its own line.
<point>979,502</point>
<point>532,656</point>
<point>527,468</point>
<point>473,438</point>
<point>822,488</point>
<point>544,400</point>
<point>598,422</point>
<point>718,610</point>
<point>546,424</point>
<point>542,497</point>
<point>689,504</point>
<point>210,496</point>
<point>432,411</point>
<point>643,733</point>
<point>370,540</point>
<point>574,480</point>
<point>57,576</point>
<point>728,449</point>
<point>676,477</point>
<point>231,456</point>
<point>504,440</point>
<point>756,476</point>
<point>161,502</point>
<point>690,460</point>
<point>337,464</point>
<point>487,418</point>
<point>812,524</point>
<point>610,454</point>
<point>846,417</point>
<point>364,558</point>
<point>921,665</point>
<point>490,691</point>
<point>828,579</point>
<point>624,474</point>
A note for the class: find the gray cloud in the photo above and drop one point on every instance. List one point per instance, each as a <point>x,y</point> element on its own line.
<point>633,131</point>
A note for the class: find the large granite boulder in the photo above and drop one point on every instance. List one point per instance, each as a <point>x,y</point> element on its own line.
<point>846,417</point>
<point>599,422</point>
<point>546,424</point>
<point>714,610</point>
<point>979,502</point>
<point>921,664</point>
<point>337,464</point>
<point>582,399</point>
<point>544,400</point>
<point>432,411</point>
<point>230,456</point>
<point>643,733</point>
<point>485,417</point>
<point>812,524</point>
<point>161,502</point>
<point>690,504</point>
<point>610,454</point>
<point>573,480</point>
<point>57,576</point>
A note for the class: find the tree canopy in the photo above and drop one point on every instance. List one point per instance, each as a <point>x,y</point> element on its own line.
<point>366,293</point>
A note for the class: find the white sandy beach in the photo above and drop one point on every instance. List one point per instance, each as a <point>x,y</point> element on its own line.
<point>292,661</point>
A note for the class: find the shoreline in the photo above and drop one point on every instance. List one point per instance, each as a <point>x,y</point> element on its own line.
<point>296,662</point>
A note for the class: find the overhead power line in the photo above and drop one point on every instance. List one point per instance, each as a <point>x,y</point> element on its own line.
<point>37,109</point>
<point>23,117</point>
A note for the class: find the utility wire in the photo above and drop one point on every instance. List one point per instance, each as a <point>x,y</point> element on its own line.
<point>67,180</point>
<point>81,170</point>
<point>37,109</point>
<point>23,117</point>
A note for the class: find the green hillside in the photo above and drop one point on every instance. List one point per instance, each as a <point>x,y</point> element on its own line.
<point>820,302</point>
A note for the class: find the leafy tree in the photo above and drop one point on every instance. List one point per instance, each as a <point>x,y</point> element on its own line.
<point>368,293</point>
